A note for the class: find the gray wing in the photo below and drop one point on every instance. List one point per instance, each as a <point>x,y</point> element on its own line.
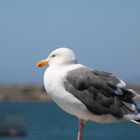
<point>101,92</point>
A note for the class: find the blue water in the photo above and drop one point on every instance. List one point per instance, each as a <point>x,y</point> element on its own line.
<point>45,121</point>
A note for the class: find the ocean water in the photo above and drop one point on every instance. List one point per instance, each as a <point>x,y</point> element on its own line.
<point>45,121</point>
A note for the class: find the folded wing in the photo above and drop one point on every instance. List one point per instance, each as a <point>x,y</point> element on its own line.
<point>101,92</point>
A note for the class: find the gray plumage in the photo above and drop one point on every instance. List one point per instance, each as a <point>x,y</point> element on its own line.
<point>101,92</point>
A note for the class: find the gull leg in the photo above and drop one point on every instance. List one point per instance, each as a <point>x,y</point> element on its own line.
<point>81,128</point>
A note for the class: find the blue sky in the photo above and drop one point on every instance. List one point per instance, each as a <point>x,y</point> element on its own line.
<point>103,34</point>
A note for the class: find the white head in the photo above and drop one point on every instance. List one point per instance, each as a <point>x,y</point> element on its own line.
<point>60,56</point>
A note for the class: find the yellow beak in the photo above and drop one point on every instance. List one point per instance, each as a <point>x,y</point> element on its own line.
<point>42,63</point>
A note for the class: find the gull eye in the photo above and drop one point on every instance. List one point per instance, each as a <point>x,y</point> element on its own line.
<point>53,55</point>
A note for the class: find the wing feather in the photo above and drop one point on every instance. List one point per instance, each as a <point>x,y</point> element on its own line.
<point>99,91</point>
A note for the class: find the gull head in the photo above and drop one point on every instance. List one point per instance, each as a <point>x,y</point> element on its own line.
<point>60,56</point>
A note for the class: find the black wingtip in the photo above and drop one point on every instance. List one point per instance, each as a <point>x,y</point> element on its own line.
<point>136,121</point>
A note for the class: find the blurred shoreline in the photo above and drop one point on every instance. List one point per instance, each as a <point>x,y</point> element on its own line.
<point>32,92</point>
<point>23,92</point>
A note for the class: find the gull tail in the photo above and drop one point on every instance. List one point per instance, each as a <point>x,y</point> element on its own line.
<point>136,101</point>
<point>136,121</point>
<point>134,116</point>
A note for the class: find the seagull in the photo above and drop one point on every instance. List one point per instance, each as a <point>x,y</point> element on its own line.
<point>88,94</point>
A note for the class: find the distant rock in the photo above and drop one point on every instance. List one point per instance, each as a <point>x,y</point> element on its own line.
<point>26,92</point>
